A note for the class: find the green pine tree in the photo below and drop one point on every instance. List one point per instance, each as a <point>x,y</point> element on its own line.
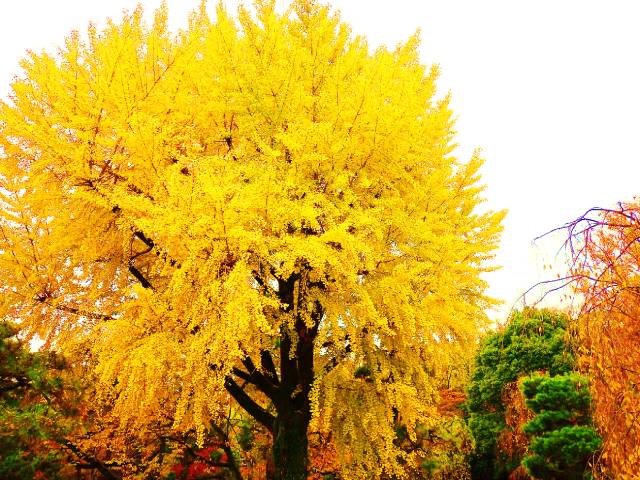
<point>562,437</point>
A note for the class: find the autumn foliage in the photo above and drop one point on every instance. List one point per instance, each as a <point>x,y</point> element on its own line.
<point>259,210</point>
<point>512,441</point>
<point>605,270</point>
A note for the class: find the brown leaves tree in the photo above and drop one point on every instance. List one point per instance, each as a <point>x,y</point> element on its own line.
<point>605,271</point>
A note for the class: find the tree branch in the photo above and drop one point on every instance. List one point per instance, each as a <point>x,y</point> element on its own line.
<point>151,245</point>
<point>259,380</point>
<point>266,361</point>
<point>94,462</point>
<point>246,402</point>
<point>136,273</point>
<point>242,374</point>
<point>82,313</point>
<point>232,465</point>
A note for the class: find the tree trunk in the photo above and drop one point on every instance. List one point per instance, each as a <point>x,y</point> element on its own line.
<point>290,456</point>
<point>290,391</point>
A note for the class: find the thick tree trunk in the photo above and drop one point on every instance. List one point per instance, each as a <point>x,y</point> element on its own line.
<point>290,391</point>
<point>290,458</point>
<point>290,444</point>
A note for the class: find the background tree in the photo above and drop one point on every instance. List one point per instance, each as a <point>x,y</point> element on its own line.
<point>563,440</point>
<point>532,341</point>
<point>259,208</point>
<point>31,419</point>
<point>604,274</point>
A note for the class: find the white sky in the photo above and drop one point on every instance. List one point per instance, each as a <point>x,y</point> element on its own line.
<point>549,89</point>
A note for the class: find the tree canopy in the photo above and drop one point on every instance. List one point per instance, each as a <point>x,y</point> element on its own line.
<point>257,207</point>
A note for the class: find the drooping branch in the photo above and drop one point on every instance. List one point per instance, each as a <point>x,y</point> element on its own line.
<point>556,284</point>
<point>580,239</point>
<point>335,361</point>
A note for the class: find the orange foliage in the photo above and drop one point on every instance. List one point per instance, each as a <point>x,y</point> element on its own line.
<point>449,402</point>
<point>606,272</point>
<point>256,461</point>
<point>519,473</point>
<point>512,441</point>
<point>258,465</point>
<point>322,457</point>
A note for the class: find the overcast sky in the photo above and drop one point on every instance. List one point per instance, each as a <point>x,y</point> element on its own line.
<point>549,89</point>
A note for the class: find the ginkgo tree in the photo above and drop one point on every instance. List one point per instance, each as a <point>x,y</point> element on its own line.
<point>259,207</point>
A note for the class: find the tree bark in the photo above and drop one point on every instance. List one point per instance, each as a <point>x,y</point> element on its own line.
<point>293,406</point>
<point>290,444</point>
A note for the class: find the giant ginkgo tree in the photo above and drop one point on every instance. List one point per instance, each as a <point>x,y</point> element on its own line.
<point>257,208</point>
